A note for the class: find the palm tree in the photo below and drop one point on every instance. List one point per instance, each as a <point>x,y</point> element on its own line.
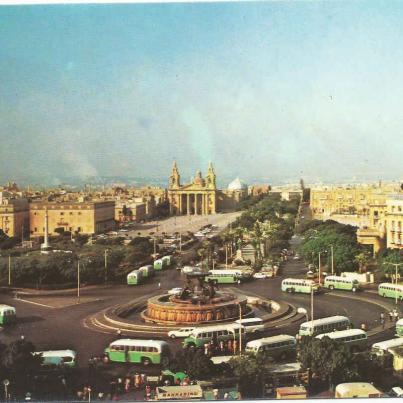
<point>363,260</point>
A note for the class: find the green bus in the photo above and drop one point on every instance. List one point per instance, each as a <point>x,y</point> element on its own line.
<point>399,328</point>
<point>135,277</point>
<point>159,264</point>
<point>58,358</point>
<point>356,339</point>
<point>299,285</point>
<point>324,325</point>
<point>341,283</point>
<point>167,260</point>
<point>281,346</point>
<point>224,276</point>
<point>8,314</point>
<point>202,335</point>
<point>389,290</point>
<point>147,271</point>
<point>139,351</point>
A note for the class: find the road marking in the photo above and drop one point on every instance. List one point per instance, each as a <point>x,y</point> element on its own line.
<point>36,303</point>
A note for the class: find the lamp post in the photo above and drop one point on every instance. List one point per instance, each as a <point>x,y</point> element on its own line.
<point>9,270</point>
<point>6,382</point>
<point>396,266</point>
<point>78,281</point>
<point>106,264</point>
<point>332,252</point>
<point>312,309</point>
<point>320,278</point>
<point>240,329</point>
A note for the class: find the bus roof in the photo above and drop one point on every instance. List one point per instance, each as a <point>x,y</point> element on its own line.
<point>221,359</point>
<point>137,342</point>
<point>149,266</point>
<point>225,271</point>
<point>342,333</point>
<point>268,340</point>
<point>324,321</point>
<point>249,320</point>
<point>57,353</point>
<point>303,280</point>
<point>134,272</point>
<point>399,286</point>
<point>6,307</point>
<point>230,326</point>
<point>385,345</point>
<point>340,278</point>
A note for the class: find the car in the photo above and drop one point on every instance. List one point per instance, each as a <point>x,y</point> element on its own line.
<point>259,275</point>
<point>310,274</point>
<point>182,332</point>
<point>175,291</point>
<point>296,257</point>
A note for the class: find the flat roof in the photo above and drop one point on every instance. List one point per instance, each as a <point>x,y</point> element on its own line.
<point>323,321</point>
<point>267,340</point>
<point>137,342</point>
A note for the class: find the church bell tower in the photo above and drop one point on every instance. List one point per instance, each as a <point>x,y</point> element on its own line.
<point>175,178</point>
<point>210,177</point>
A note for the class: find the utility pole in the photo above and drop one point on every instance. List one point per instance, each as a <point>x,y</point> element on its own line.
<point>320,281</point>
<point>240,329</point>
<point>331,249</point>
<point>312,309</point>
<point>396,266</point>
<point>106,266</point>
<point>226,256</point>
<point>78,281</point>
<point>9,270</point>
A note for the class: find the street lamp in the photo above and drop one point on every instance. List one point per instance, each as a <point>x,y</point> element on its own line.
<point>240,329</point>
<point>396,266</point>
<point>6,382</point>
<point>106,264</point>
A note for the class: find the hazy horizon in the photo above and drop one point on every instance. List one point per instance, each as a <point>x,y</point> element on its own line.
<point>270,90</point>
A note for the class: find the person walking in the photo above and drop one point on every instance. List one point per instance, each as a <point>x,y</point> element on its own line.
<point>159,286</point>
<point>382,320</point>
<point>391,316</point>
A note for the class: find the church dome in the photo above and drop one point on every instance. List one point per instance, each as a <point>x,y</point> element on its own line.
<point>237,184</point>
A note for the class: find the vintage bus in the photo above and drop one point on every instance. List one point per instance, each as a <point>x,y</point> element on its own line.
<point>224,276</point>
<point>389,290</point>
<point>383,347</point>
<point>202,335</point>
<point>356,339</point>
<point>139,351</point>
<point>356,389</point>
<point>399,328</point>
<point>299,285</point>
<point>159,264</point>
<point>280,346</point>
<point>135,277</point>
<point>167,260</point>
<point>341,283</point>
<point>58,358</point>
<point>324,325</point>
<point>251,325</point>
<point>8,314</point>
<point>147,271</point>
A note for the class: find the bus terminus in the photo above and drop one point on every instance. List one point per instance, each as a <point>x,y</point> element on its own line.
<point>276,346</point>
<point>202,335</point>
<point>58,358</point>
<point>324,325</point>
<point>224,276</point>
<point>341,283</point>
<point>383,347</point>
<point>356,339</point>
<point>139,351</point>
<point>390,290</point>
<point>299,285</point>
<point>7,314</point>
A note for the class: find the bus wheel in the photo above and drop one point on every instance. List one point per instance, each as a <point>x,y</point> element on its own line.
<point>146,361</point>
<point>173,336</point>
<point>331,287</point>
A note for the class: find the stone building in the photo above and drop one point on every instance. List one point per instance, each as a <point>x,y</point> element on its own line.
<point>14,214</point>
<point>88,217</point>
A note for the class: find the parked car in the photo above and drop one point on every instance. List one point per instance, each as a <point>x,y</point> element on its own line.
<point>175,291</point>
<point>259,275</point>
<point>182,332</point>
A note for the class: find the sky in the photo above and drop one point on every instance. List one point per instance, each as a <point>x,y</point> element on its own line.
<point>267,91</point>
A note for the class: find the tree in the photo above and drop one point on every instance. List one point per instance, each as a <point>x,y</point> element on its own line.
<point>388,261</point>
<point>362,259</point>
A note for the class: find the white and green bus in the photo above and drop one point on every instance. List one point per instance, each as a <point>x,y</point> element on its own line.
<point>356,339</point>
<point>8,314</point>
<point>167,260</point>
<point>202,335</point>
<point>281,346</point>
<point>159,264</point>
<point>147,271</point>
<point>139,351</point>
<point>135,277</point>
<point>383,347</point>
<point>58,358</point>
<point>399,328</point>
<point>341,283</point>
<point>324,325</point>
<point>299,285</point>
<point>389,290</point>
<point>224,276</point>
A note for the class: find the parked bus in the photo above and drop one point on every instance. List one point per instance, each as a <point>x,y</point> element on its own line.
<point>399,328</point>
<point>139,351</point>
<point>356,389</point>
<point>251,325</point>
<point>299,285</point>
<point>383,347</point>
<point>202,335</point>
<point>159,264</point>
<point>58,358</point>
<point>179,392</point>
<point>147,271</point>
<point>134,277</point>
<point>356,339</point>
<point>8,314</point>
<point>276,346</point>
<point>341,283</point>
<point>224,276</point>
<point>167,260</point>
<point>324,325</point>
<point>389,290</point>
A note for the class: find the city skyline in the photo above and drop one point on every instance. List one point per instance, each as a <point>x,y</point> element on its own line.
<point>271,90</point>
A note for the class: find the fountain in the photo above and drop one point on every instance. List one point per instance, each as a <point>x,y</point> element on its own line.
<point>199,302</point>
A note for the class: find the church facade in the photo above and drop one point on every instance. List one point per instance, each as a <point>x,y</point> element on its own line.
<point>201,196</point>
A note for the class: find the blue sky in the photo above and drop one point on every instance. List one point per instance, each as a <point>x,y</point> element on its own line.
<point>270,90</point>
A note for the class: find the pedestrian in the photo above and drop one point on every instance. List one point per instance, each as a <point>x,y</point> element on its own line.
<point>119,333</point>
<point>226,396</point>
<point>363,326</point>
<point>120,385</point>
<point>239,282</point>
<point>395,315</point>
<point>390,316</point>
<point>127,385</point>
<point>159,286</point>
<point>382,320</point>
<point>206,349</point>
